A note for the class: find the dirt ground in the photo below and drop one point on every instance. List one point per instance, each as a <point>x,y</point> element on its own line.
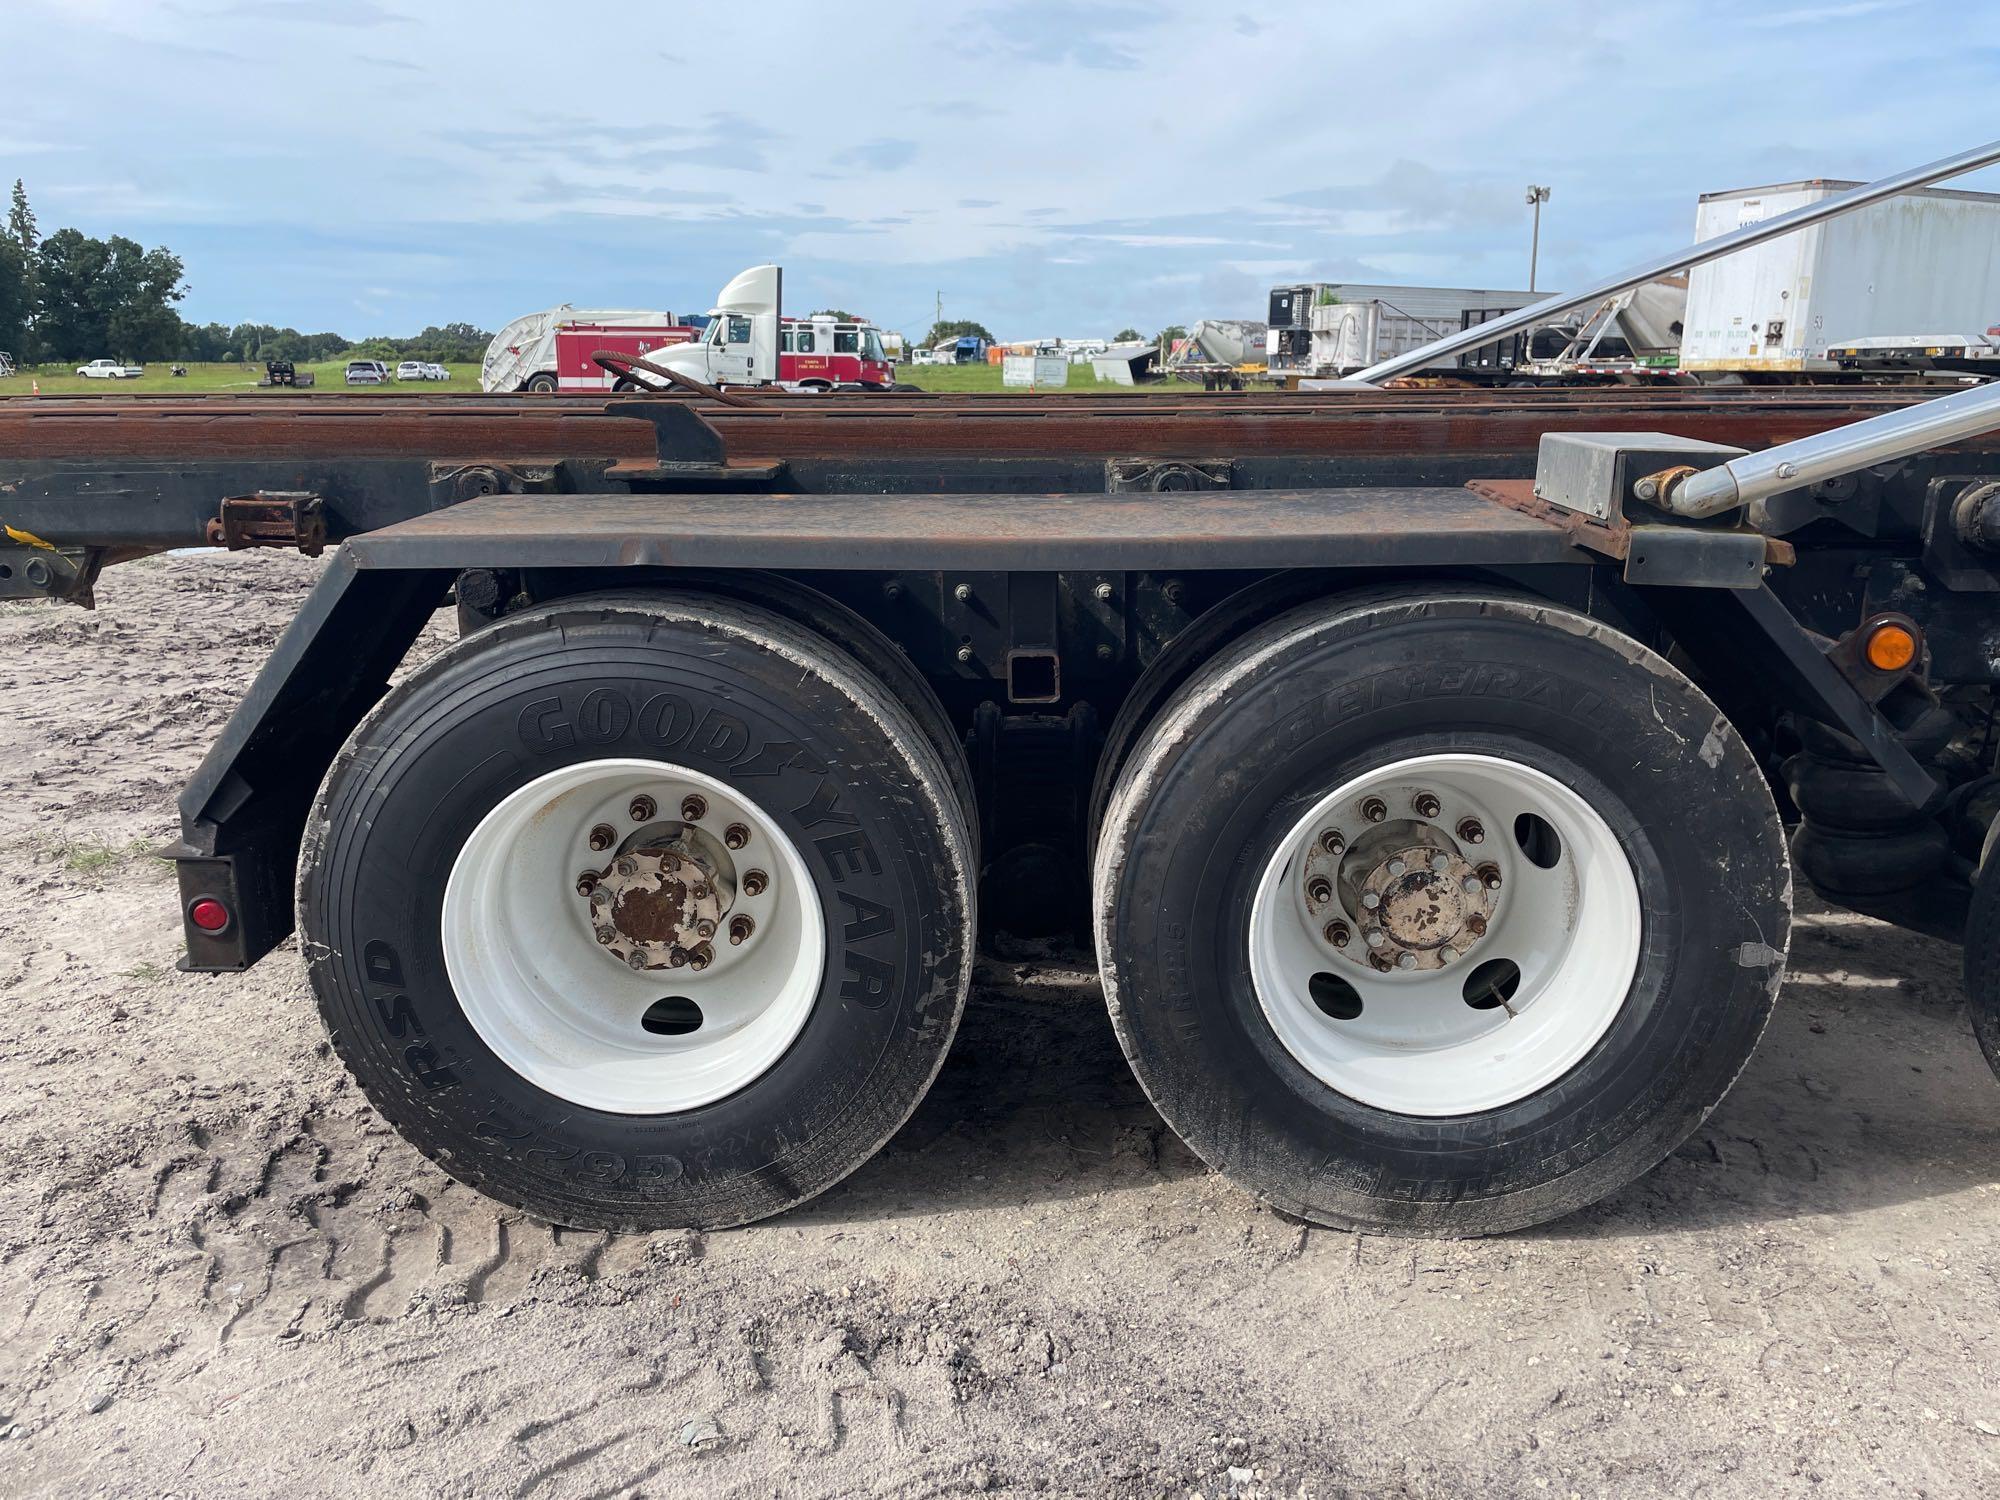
<point>221,1274</point>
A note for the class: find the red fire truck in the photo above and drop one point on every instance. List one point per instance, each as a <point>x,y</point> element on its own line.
<point>552,350</point>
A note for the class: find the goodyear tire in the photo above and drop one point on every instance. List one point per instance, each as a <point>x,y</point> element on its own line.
<point>1571,860</point>
<point>640,911</point>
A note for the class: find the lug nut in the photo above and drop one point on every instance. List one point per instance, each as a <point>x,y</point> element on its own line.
<point>704,928</point>
<point>1471,885</point>
<point>637,960</point>
<point>1489,875</point>
<point>627,866</point>
<point>1319,890</point>
<point>1396,867</point>
<point>754,882</point>
<point>642,809</point>
<point>693,809</point>
<point>607,935</point>
<point>1406,961</point>
<point>1440,863</point>
<point>603,836</point>
<point>677,957</point>
<point>1476,924</point>
<point>1337,934</point>
<point>735,836</point>
<point>1374,809</point>
<point>1380,961</point>
<point>1425,804</point>
<point>600,898</point>
<point>1471,832</point>
<point>701,958</point>
<point>1375,938</point>
<point>1332,842</point>
<point>740,928</point>
<point>700,892</point>
<point>1370,900</point>
<point>586,882</point>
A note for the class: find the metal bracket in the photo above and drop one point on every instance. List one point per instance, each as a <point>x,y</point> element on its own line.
<point>1161,476</point>
<point>271,518</point>
<point>1683,557</point>
<point>687,445</point>
<point>63,573</point>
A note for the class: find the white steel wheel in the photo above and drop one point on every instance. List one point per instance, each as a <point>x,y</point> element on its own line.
<point>1445,935</point>
<point>633,936</point>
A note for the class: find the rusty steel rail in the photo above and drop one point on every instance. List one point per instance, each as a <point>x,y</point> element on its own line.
<point>514,428</point>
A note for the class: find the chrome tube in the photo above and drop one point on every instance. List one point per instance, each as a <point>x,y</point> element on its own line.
<point>1481,334</point>
<point>1840,450</point>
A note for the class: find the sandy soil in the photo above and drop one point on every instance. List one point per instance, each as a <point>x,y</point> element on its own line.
<point>221,1274</point>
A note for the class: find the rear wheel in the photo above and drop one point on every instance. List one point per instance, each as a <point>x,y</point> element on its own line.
<point>1439,915</point>
<point>641,911</point>
<point>542,385</point>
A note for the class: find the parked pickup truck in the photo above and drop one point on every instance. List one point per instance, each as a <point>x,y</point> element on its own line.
<point>110,369</point>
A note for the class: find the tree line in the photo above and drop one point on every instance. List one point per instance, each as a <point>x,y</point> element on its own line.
<point>67,297</point>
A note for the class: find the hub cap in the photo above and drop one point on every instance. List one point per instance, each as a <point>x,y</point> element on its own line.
<point>633,936</point>
<point>1445,935</point>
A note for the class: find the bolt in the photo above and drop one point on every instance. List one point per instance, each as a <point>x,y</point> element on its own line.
<point>1425,804</point>
<point>637,960</point>
<point>740,928</point>
<point>607,935</point>
<point>1374,809</point>
<point>1104,652</point>
<point>754,882</point>
<point>1337,934</point>
<point>1406,961</point>
<point>1647,488</point>
<point>1172,591</point>
<point>1787,470</point>
<point>962,593</point>
<point>1440,863</point>
<point>1370,900</point>
<point>1446,955</point>
<point>1380,961</point>
<point>1319,890</point>
<point>1471,885</point>
<point>700,892</point>
<point>586,882</point>
<point>1476,924</point>
<point>627,866</point>
<point>701,958</point>
<point>677,957</point>
<point>704,928</point>
<point>1490,875</point>
<point>693,809</point>
<point>603,836</point>
<point>642,809</point>
<point>1396,867</point>
<point>892,590</point>
<point>736,835</point>
<point>1103,592</point>
<point>1331,841</point>
<point>1375,937</point>
<point>965,653</point>
<point>1470,831</point>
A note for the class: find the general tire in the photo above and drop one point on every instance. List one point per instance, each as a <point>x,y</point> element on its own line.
<point>730,691</point>
<point>1330,691</point>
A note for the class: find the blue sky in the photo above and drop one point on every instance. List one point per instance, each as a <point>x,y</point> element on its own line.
<point>1051,168</point>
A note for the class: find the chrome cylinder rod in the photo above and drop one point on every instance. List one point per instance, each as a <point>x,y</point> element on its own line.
<point>1537,313</point>
<point>1837,451</point>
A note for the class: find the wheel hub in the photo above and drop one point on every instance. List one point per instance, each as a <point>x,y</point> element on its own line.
<point>1405,895</point>
<point>657,908</point>
<point>1429,903</point>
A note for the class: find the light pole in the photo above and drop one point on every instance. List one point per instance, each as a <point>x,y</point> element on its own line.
<point>1537,196</point>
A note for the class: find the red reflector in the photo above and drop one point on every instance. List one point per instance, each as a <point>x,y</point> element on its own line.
<point>209,914</point>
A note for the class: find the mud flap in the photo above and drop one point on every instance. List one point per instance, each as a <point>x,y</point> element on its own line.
<point>1982,953</point>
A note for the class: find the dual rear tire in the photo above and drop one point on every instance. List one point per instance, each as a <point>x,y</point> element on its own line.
<point>1431,913</point>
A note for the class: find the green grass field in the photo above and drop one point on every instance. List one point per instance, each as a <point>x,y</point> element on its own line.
<point>62,380</point>
<point>983,378</point>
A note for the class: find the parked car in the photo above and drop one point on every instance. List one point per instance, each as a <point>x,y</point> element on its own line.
<point>436,372</point>
<point>411,369</point>
<point>367,372</point>
<point>110,369</point>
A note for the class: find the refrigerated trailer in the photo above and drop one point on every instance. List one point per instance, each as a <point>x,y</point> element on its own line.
<point>1431,769</point>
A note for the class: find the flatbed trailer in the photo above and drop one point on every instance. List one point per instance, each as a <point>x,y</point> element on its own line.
<point>1433,792</point>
